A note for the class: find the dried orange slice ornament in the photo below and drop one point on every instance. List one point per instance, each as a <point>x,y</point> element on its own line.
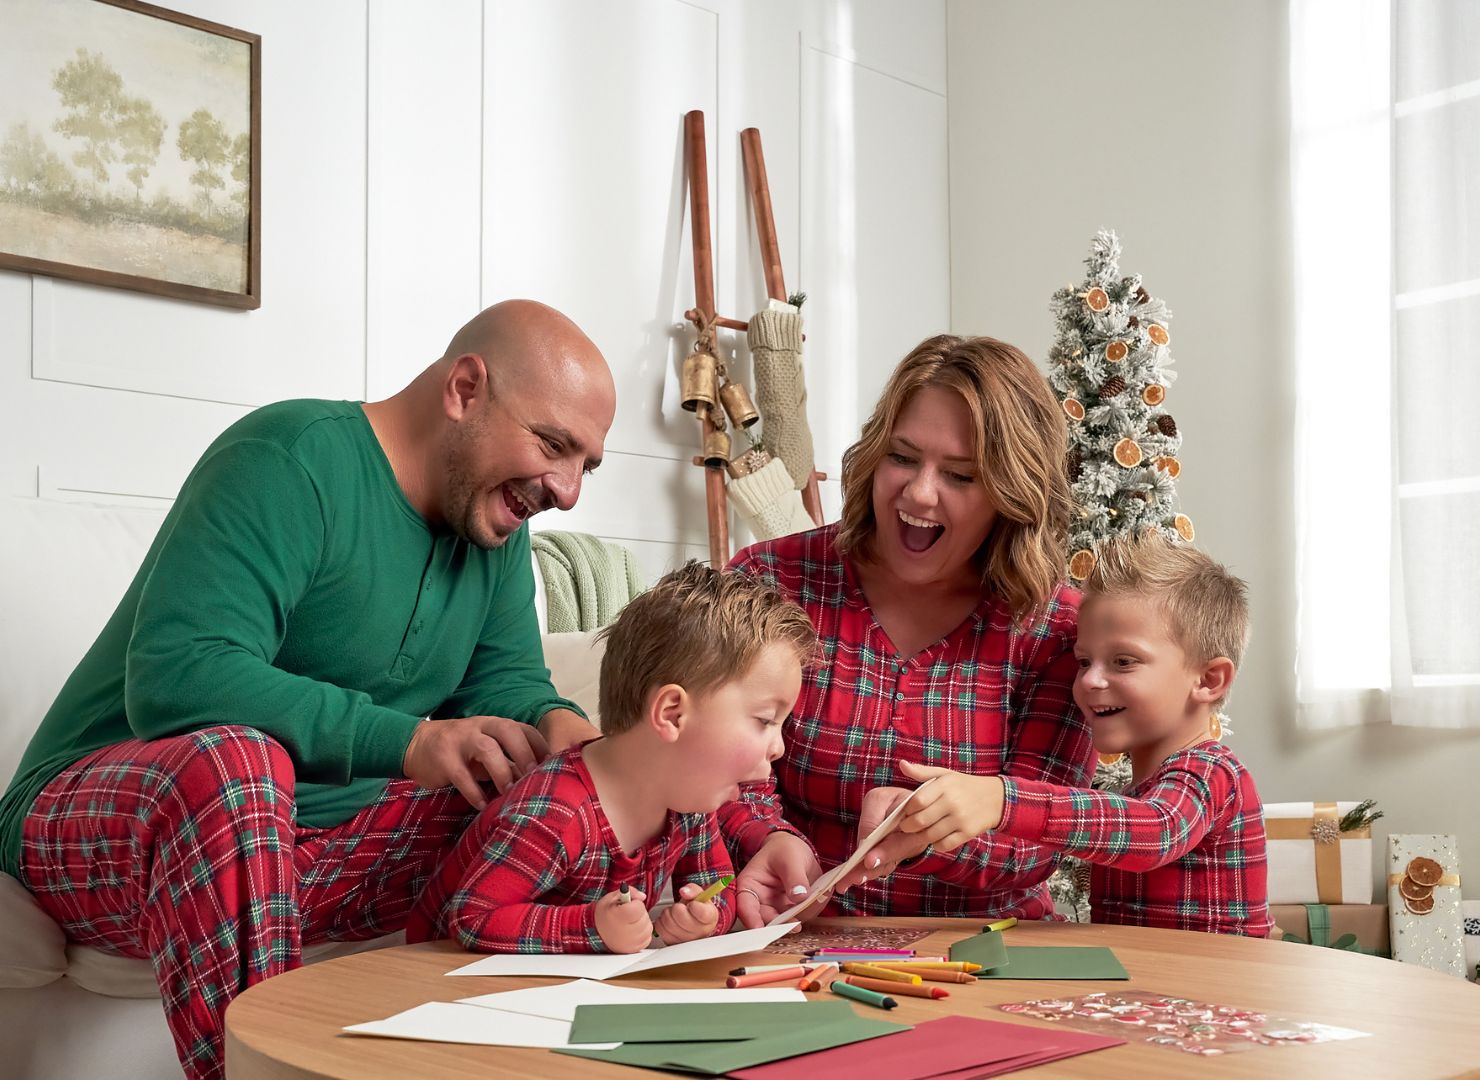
<point>1074,408</point>
<point>1419,907</point>
<point>1158,334</point>
<point>1154,394</point>
<point>1170,465</point>
<point>1412,890</point>
<point>1183,524</point>
<point>1116,351</point>
<point>1425,871</point>
<point>1082,564</point>
<point>1128,453</point>
<point>1097,299</point>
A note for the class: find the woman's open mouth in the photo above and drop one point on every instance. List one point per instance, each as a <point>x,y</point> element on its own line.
<point>917,534</point>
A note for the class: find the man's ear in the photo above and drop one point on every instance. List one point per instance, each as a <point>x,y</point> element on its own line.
<point>465,387</point>
<point>1214,681</point>
<point>668,711</point>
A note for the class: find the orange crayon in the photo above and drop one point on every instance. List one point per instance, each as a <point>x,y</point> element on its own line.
<point>940,975</point>
<point>883,986</point>
<point>817,977</point>
<point>761,977</point>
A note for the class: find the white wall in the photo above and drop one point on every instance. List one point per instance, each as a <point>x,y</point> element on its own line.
<point>1169,123</point>
<point>421,161</point>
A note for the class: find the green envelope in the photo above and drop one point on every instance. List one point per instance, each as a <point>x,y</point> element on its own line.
<point>1057,962</point>
<point>717,1057</point>
<point>700,1022</point>
<point>985,949</point>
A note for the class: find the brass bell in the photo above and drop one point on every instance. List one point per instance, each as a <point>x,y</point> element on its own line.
<point>737,403</point>
<point>700,381</point>
<point>716,449</point>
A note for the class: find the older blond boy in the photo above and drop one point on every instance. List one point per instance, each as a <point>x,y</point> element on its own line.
<point>699,674</point>
<point>1162,629</point>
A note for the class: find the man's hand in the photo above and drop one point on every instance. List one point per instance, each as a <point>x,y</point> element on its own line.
<point>475,748</point>
<point>688,919</point>
<point>624,924</point>
<point>952,810</point>
<point>563,729</point>
<point>779,875</point>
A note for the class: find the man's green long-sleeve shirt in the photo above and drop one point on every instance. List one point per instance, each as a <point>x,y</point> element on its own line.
<point>294,590</point>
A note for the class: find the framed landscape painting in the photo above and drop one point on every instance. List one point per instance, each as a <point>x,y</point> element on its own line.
<point>130,149</point>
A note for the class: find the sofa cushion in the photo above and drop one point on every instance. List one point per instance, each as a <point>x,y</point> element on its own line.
<point>33,949</point>
<point>574,661</point>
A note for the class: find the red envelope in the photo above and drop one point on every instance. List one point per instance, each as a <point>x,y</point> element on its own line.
<point>951,1048</point>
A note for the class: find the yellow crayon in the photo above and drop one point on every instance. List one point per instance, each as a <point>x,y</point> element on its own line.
<point>715,889</point>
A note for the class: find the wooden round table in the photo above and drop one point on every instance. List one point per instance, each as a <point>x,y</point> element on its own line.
<point>1422,1024</point>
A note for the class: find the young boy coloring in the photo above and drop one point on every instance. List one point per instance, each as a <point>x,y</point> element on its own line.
<point>699,674</point>
<point>1162,629</point>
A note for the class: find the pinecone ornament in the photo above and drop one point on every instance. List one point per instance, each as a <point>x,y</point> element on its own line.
<point>1166,425</point>
<point>1111,386</point>
<point>1074,466</point>
<point>1142,295</point>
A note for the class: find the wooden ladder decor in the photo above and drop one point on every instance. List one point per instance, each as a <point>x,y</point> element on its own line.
<point>703,313</point>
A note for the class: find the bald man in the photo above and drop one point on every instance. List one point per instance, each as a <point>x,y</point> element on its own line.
<point>330,648</point>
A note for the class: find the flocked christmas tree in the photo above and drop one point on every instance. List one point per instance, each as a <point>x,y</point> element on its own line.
<point>1110,366</point>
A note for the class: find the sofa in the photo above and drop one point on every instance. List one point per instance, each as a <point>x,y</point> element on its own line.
<point>66,1010</point>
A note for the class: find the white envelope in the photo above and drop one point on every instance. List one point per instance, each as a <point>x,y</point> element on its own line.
<point>451,1022</point>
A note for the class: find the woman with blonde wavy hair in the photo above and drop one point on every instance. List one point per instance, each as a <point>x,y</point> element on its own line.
<point>946,638</point>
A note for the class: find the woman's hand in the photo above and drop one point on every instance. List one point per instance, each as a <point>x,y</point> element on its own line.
<point>779,875</point>
<point>880,861</point>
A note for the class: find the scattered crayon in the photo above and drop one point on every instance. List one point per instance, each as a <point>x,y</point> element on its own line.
<point>715,889</point>
<point>814,979</point>
<point>622,899</point>
<point>790,974</point>
<point>869,971</point>
<point>858,993</point>
<point>882,987</point>
<point>756,969</point>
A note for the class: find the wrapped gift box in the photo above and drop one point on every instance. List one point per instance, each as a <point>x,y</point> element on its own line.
<point>1428,929</point>
<point>1325,925</point>
<point>1470,910</point>
<point>1310,861</point>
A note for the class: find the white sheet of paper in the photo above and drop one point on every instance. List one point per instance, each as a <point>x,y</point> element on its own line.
<point>558,1002</point>
<point>608,966</point>
<point>451,1022</point>
<point>828,880</point>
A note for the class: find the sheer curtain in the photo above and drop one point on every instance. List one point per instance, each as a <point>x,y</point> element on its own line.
<point>1385,155</point>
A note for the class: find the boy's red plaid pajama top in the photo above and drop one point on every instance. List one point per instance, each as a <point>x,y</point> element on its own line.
<point>993,696</point>
<point>185,850</point>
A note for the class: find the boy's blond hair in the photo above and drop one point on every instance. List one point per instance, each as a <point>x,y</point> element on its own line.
<point>1206,607</point>
<point>698,628</point>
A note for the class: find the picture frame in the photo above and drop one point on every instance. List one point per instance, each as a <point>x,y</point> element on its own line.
<point>131,149</point>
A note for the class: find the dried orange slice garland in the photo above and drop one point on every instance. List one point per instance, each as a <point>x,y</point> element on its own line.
<point>1074,408</point>
<point>1128,453</point>
<point>1154,394</point>
<point>1417,886</point>
<point>1082,564</point>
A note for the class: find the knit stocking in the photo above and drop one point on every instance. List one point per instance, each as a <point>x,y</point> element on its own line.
<point>769,503</point>
<point>781,391</point>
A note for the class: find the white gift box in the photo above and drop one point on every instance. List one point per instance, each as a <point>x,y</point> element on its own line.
<point>1470,910</point>
<point>1433,938</point>
<point>1309,861</point>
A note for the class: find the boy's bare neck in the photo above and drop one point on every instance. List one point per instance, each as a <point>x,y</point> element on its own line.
<point>1147,758</point>
<point>622,768</point>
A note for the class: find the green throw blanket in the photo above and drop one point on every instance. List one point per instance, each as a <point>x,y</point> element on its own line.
<point>587,579</point>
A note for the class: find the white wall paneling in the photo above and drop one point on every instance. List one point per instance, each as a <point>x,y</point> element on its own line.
<point>875,234</point>
<point>585,196</point>
<point>424,174</point>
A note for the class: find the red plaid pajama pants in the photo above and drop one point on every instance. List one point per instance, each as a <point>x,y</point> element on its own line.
<point>184,850</point>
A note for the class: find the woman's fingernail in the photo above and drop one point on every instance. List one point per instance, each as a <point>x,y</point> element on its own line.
<point>874,862</point>
<point>799,890</point>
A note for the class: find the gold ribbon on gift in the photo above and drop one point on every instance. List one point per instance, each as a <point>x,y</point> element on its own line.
<point>1447,879</point>
<point>1328,853</point>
